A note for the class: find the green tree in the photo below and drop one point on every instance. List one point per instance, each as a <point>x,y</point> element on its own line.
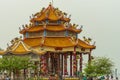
<point>1,49</point>
<point>15,64</point>
<point>99,66</point>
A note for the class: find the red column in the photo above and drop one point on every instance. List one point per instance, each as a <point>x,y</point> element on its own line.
<point>80,62</point>
<point>65,64</point>
<point>70,64</point>
<point>49,63</point>
<point>43,64</point>
<point>58,63</point>
<point>74,62</point>
<point>62,63</point>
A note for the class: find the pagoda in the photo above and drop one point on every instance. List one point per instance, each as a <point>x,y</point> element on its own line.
<point>51,41</point>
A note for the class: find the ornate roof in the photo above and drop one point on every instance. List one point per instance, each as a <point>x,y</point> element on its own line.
<point>50,13</point>
<point>33,42</point>
<point>48,20</point>
<point>50,28</point>
<point>85,45</point>
<point>61,42</point>
<point>34,45</point>
<point>19,47</point>
<point>2,52</point>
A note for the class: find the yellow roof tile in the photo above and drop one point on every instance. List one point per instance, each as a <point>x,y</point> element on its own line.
<point>19,48</point>
<point>35,29</point>
<point>50,28</point>
<point>61,42</point>
<point>85,45</point>
<point>50,13</point>
<point>58,42</point>
<point>74,29</point>
<point>33,42</point>
<point>2,52</point>
<point>55,28</point>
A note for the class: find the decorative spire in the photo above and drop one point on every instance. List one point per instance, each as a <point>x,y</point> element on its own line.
<point>52,2</point>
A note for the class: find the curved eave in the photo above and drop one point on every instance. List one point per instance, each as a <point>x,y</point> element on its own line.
<point>49,28</point>
<point>33,29</point>
<point>49,18</point>
<point>38,52</point>
<point>85,45</point>
<point>22,31</point>
<point>74,30</point>
<point>33,42</point>
<point>2,52</point>
<point>42,29</point>
<point>19,47</point>
<point>19,53</point>
<point>60,42</point>
<point>65,19</point>
<point>57,42</point>
<point>54,46</point>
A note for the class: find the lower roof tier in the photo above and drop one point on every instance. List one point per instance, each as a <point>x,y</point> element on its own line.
<point>50,42</point>
<point>41,45</point>
<point>60,42</point>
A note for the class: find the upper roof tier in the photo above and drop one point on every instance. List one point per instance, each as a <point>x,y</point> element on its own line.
<point>50,13</point>
<point>50,28</point>
<point>50,19</point>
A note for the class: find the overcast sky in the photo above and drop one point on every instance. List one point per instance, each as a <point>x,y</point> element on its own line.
<point>101,20</point>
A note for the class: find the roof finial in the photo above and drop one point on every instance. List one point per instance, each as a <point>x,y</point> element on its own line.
<point>52,2</point>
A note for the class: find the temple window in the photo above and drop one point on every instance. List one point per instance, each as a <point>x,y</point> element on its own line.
<point>72,34</point>
<point>53,22</point>
<point>36,23</point>
<point>35,34</point>
<point>59,22</point>
<point>26,35</point>
<point>60,33</point>
<point>40,23</point>
<point>45,33</point>
<point>66,33</point>
<point>47,21</point>
<point>76,35</point>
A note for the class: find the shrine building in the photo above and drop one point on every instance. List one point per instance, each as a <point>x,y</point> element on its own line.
<point>51,40</point>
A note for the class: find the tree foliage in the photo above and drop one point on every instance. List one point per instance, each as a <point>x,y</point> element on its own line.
<point>0,49</point>
<point>15,63</point>
<point>99,66</point>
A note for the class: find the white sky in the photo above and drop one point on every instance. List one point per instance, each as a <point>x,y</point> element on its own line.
<point>101,20</point>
